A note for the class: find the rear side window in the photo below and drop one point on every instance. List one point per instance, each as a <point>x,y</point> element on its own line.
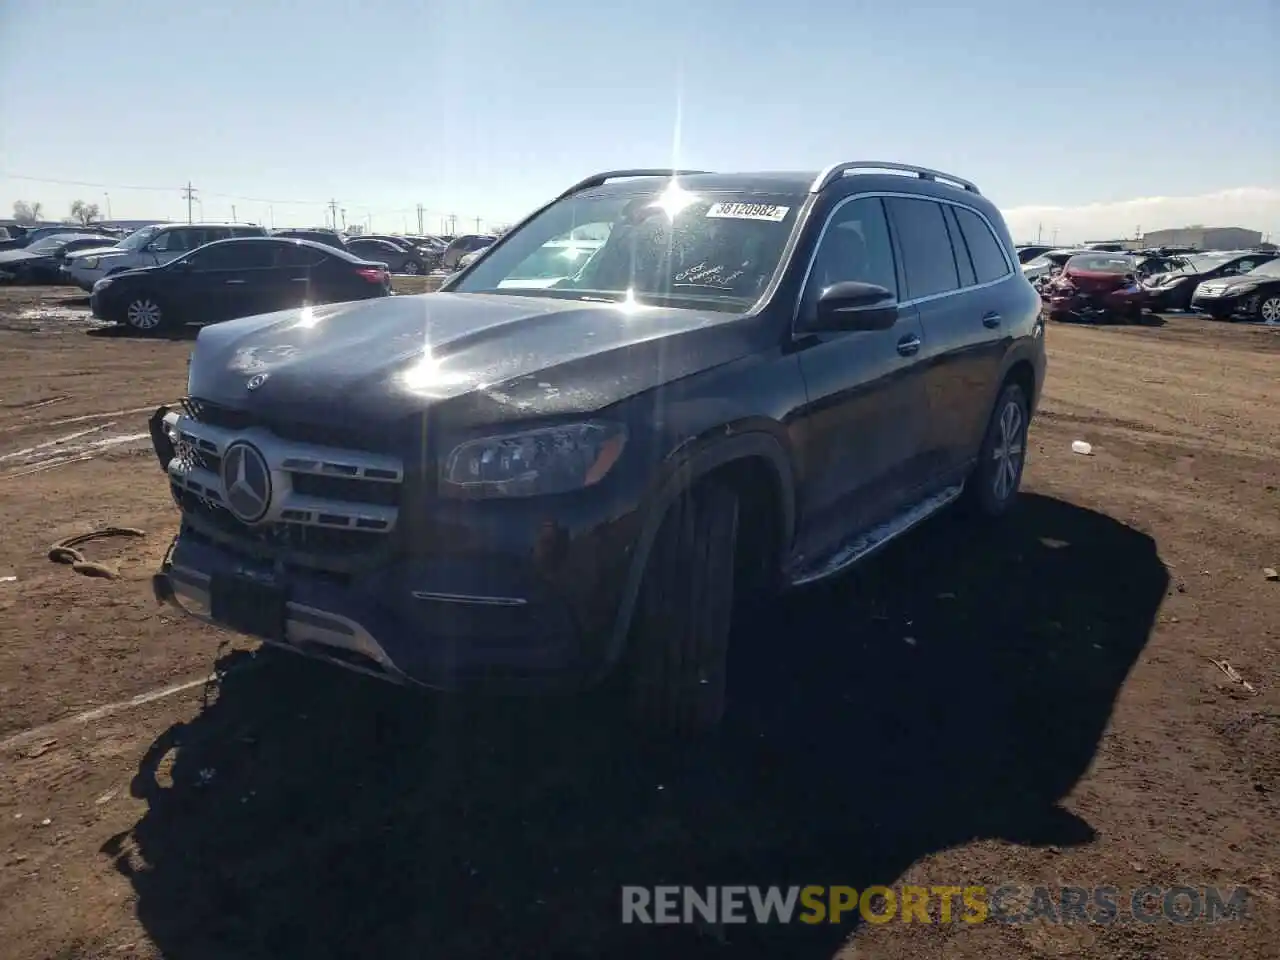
<point>927,259</point>
<point>958,248</point>
<point>296,255</point>
<point>988,256</point>
<point>243,255</point>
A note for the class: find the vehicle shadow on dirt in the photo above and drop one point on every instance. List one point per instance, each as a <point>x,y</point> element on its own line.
<point>953,689</point>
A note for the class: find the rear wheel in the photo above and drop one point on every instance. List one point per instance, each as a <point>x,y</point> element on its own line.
<point>1269,309</point>
<point>145,313</point>
<point>992,488</point>
<point>412,267</point>
<point>680,637</point>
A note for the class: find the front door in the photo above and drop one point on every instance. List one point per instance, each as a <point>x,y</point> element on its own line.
<point>861,432</point>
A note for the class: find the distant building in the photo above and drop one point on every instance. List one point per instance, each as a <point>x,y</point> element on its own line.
<point>1204,238</point>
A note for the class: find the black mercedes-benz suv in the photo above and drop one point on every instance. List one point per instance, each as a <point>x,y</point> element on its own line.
<point>746,383</point>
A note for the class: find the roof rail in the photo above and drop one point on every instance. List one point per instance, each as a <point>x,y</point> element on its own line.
<point>599,179</point>
<point>838,170</point>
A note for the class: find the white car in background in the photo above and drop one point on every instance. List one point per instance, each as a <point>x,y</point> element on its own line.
<point>1047,263</point>
<point>151,247</point>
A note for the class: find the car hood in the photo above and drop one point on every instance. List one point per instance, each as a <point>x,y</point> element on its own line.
<point>100,252</point>
<point>1244,280</point>
<point>14,256</point>
<point>487,358</point>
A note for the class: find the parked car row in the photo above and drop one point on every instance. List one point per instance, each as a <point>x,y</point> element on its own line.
<point>1096,285</point>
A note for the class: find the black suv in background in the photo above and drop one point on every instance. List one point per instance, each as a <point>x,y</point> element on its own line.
<point>750,382</point>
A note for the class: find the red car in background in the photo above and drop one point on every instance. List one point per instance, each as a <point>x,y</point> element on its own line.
<point>1096,286</point>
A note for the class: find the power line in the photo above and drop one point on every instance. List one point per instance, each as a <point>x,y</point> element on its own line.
<point>419,210</point>
<point>190,193</point>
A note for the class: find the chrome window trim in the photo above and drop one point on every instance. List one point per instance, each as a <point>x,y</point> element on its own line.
<point>881,194</point>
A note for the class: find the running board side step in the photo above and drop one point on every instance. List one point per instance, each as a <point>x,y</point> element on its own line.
<point>871,541</point>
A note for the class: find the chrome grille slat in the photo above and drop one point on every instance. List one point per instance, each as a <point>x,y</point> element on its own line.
<point>200,448</point>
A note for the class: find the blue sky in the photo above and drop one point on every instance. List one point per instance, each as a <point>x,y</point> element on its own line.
<point>1065,114</point>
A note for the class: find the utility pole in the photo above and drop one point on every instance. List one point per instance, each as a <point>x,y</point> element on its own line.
<point>233,213</point>
<point>419,219</point>
<point>271,215</point>
<point>453,224</point>
<point>477,224</point>
<point>1039,232</point>
<point>333,213</point>
<point>107,197</point>
<point>190,194</point>
<point>343,211</point>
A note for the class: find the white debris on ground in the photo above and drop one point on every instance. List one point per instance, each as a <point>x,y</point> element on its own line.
<point>1081,447</point>
<point>71,448</point>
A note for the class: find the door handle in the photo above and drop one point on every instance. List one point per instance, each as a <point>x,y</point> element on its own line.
<point>909,345</point>
<point>991,320</point>
<point>300,279</point>
<point>233,281</point>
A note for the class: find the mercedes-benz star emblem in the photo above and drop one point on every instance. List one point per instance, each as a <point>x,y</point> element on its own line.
<point>257,380</point>
<point>246,481</point>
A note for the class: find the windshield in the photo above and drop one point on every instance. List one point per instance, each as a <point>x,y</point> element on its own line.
<point>716,250</point>
<point>1101,263</point>
<point>1269,269</point>
<point>49,244</point>
<point>1200,264</point>
<point>138,239</point>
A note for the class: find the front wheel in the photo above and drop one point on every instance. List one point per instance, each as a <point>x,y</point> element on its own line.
<point>145,313</point>
<point>412,267</point>
<point>1269,310</point>
<point>679,643</point>
<point>993,485</point>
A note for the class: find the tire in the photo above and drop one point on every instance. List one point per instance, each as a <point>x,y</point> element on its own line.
<point>145,313</point>
<point>679,645</point>
<point>989,492</point>
<point>1269,309</point>
<point>412,267</point>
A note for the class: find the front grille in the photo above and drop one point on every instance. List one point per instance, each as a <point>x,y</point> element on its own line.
<point>293,537</point>
<point>353,437</point>
<point>327,502</point>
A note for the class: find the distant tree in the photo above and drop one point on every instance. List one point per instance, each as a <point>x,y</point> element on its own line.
<point>25,212</point>
<point>86,213</point>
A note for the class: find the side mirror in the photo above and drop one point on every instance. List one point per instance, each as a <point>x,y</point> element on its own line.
<point>853,306</point>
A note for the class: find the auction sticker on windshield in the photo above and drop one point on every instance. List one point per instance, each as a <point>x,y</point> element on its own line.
<point>748,211</point>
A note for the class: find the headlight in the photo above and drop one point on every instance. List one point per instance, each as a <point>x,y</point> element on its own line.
<point>1241,289</point>
<point>548,460</point>
<point>89,263</point>
<point>102,284</point>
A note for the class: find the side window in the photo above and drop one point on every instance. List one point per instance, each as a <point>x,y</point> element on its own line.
<point>296,255</point>
<point>163,241</point>
<point>855,246</point>
<point>988,256</point>
<point>929,265</point>
<point>958,247</point>
<point>242,255</point>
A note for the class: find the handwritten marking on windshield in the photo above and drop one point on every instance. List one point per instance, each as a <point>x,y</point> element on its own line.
<point>708,276</point>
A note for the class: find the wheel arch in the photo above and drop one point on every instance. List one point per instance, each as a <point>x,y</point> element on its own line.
<point>741,460</point>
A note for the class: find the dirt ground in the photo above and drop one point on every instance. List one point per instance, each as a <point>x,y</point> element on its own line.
<point>1037,707</point>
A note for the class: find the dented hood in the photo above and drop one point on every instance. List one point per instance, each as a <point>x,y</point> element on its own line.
<point>488,358</point>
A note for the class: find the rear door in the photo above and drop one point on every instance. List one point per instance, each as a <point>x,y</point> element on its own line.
<point>236,278</point>
<point>306,275</point>
<point>955,267</point>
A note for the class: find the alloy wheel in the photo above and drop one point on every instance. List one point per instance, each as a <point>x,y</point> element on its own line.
<point>1270,310</point>
<point>143,314</point>
<point>1008,450</point>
